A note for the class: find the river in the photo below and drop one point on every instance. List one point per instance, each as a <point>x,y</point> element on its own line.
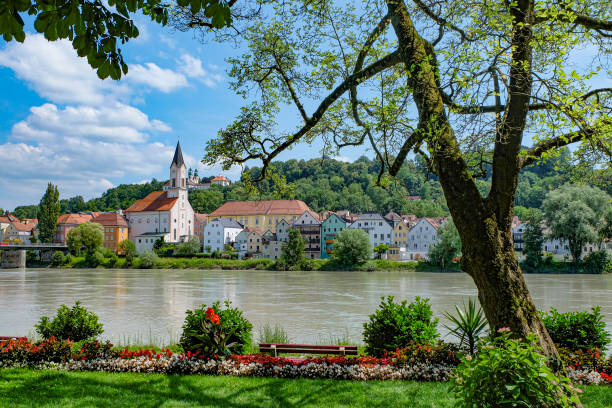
<point>142,306</point>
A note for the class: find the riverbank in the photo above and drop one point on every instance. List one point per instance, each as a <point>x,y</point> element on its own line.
<point>372,265</point>
<point>47,388</point>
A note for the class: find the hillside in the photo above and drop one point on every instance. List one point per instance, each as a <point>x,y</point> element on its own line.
<point>328,184</point>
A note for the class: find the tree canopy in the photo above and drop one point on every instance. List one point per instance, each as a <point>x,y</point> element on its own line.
<point>48,213</point>
<point>576,213</point>
<point>97,29</point>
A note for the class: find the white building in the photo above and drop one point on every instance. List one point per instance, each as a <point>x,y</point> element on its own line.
<point>220,231</point>
<point>167,213</point>
<point>421,237</point>
<point>282,231</point>
<point>378,229</point>
<point>241,243</point>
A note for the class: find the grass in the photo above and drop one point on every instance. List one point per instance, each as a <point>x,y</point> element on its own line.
<point>273,334</point>
<point>33,388</point>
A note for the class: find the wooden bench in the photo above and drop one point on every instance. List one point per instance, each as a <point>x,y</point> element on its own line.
<point>276,349</point>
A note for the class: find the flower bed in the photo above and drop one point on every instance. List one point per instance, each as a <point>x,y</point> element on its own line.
<point>416,363</point>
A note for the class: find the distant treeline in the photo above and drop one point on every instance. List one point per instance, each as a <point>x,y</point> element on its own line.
<point>328,184</point>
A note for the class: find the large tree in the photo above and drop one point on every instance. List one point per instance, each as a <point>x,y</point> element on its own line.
<point>460,84</point>
<point>48,213</point>
<point>576,213</point>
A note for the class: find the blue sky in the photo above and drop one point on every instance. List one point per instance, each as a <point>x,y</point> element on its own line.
<point>60,123</point>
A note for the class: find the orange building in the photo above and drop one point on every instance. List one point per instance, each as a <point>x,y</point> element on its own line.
<point>115,229</point>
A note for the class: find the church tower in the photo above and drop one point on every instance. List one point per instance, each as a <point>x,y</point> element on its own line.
<point>178,173</point>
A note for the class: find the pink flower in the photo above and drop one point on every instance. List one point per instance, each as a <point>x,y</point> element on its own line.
<point>503,329</point>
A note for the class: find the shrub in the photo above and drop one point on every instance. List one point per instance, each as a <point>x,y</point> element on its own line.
<point>212,331</point>
<point>24,351</point>
<point>75,324</point>
<point>192,246</point>
<point>128,248</point>
<point>94,258</point>
<point>148,259</point>
<point>112,261</point>
<point>57,259</point>
<point>509,373</point>
<point>591,359</point>
<point>577,330</point>
<point>596,262</point>
<point>396,325</point>
<point>90,350</point>
<point>441,353</point>
<point>468,325</point>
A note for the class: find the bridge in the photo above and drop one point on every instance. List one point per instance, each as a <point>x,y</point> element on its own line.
<point>14,255</point>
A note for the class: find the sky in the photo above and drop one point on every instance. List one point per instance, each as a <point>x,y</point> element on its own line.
<point>60,123</point>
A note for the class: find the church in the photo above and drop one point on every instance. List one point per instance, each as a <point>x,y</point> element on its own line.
<point>163,214</point>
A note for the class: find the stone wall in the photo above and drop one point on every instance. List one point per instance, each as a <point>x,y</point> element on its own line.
<point>13,259</point>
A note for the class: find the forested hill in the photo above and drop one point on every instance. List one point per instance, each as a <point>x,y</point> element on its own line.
<point>328,184</point>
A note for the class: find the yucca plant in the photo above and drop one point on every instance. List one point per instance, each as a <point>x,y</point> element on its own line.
<point>468,324</point>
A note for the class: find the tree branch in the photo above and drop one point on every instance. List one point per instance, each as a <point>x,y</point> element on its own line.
<point>441,20</point>
<point>538,151</point>
<point>353,80</point>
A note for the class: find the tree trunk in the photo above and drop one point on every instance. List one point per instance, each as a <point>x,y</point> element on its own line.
<point>484,224</point>
<point>488,257</point>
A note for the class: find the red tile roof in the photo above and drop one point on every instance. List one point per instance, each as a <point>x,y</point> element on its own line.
<point>268,207</point>
<point>200,217</point>
<point>111,220</point>
<point>155,201</point>
<point>8,218</point>
<point>75,219</point>
<point>22,226</point>
<point>220,178</point>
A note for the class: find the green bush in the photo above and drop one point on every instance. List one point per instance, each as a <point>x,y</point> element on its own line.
<point>75,324</point>
<point>231,334</point>
<point>94,258</point>
<point>396,325</point>
<point>128,248</point>
<point>57,259</point>
<point>192,246</point>
<point>509,373</point>
<point>597,262</point>
<point>352,245</point>
<point>577,330</point>
<point>148,259</point>
<point>112,261</point>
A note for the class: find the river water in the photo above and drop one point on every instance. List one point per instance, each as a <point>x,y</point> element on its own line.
<point>143,306</point>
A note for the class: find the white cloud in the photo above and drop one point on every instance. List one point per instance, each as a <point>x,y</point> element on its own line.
<point>343,159</point>
<point>162,79</point>
<point>54,71</point>
<point>192,67</point>
<point>115,123</point>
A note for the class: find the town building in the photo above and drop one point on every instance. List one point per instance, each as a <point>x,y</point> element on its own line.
<point>66,222</point>
<point>423,236</point>
<point>310,227</point>
<point>18,232</point>
<point>330,228</point>
<point>264,215</point>
<point>221,181</point>
<point>163,214</point>
<point>254,242</point>
<point>115,229</point>
<point>282,231</point>
<point>199,222</point>
<point>5,221</point>
<point>378,229</point>
<point>219,232</point>
<point>393,218</point>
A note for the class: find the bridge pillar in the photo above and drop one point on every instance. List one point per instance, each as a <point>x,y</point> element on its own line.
<point>13,259</point>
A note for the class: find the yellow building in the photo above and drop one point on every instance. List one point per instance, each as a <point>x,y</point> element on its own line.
<point>261,214</point>
<point>400,234</point>
<point>115,229</point>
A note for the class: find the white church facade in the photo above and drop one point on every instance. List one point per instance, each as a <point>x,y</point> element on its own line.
<point>163,214</point>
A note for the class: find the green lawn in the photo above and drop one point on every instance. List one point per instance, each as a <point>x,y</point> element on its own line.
<point>32,388</point>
